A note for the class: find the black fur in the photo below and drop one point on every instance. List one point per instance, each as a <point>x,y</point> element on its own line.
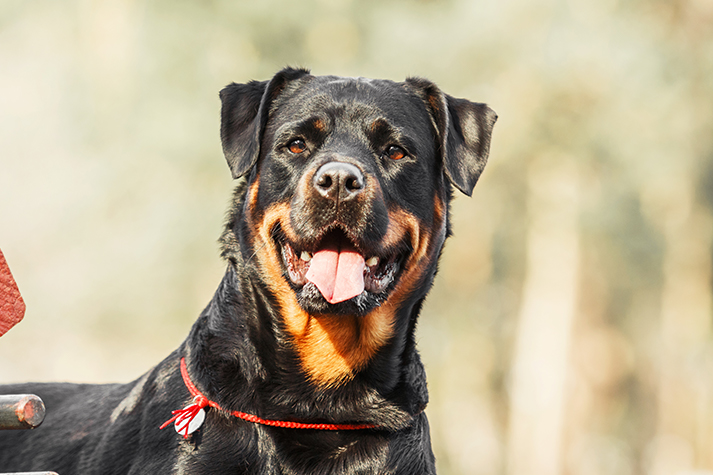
<point>240,351</point>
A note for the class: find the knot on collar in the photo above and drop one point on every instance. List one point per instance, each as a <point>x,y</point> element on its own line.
<point>190,418</point>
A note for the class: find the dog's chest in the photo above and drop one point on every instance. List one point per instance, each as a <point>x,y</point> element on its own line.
<point>267,451</point>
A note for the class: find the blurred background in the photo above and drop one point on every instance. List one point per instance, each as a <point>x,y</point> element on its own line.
<point>569,331</point>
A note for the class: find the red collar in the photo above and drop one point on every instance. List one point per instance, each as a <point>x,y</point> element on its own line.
<point>190,418</point>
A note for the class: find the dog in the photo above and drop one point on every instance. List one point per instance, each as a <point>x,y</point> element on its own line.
<point>304,361</point>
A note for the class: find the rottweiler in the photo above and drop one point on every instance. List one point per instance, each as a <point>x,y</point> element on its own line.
<point>304,361</point>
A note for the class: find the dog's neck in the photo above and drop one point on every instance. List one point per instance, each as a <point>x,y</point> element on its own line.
<point>238,343</point>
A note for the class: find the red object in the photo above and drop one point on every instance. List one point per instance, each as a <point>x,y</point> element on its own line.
<point>12,307</point>
<point>201,401</point>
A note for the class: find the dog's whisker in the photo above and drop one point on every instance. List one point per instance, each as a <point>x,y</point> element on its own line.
<point>255,252</point>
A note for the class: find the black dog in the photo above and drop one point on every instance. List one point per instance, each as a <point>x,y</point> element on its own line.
<point>304,362</point>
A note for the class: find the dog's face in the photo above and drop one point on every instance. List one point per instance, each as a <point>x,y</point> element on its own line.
<point>348,192</point>
<point>347,198</point>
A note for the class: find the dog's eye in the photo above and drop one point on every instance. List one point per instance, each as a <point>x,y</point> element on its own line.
<point>297,146</point>
<point>395,152</point>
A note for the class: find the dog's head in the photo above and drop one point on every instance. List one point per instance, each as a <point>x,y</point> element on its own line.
<point>346,205</point>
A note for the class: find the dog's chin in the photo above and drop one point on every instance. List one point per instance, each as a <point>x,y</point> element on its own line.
<point>312,301</point>
<point>380,278</point>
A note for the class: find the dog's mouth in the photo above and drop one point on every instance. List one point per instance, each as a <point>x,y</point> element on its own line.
<point>338,269</point>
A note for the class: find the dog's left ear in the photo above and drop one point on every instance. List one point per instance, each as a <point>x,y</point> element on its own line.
<point>464,129</point>
<point>243,116</point>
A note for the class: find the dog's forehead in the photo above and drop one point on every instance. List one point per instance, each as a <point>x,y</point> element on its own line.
<point>355,99</point>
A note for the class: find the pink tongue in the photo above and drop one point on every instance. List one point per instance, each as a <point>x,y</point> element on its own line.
<point>337,273</point>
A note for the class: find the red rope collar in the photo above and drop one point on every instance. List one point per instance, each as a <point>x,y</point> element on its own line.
<point>185,416</point>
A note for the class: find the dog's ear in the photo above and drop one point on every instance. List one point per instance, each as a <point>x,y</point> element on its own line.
<point>464,129</point>
<point>244,113</point>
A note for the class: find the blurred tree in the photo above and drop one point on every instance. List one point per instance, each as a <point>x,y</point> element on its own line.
<point>569,330</point>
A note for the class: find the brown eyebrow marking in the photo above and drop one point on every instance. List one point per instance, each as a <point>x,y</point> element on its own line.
<point>313,129</point>
<point>380,132</point>
<point>319,124</point>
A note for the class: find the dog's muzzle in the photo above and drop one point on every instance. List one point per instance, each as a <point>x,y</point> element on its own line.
<point>333,250</point>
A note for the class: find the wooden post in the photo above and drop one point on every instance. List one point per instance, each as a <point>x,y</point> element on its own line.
<point>21,411</point>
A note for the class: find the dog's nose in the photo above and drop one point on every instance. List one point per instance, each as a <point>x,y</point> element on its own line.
<point>339,181</point>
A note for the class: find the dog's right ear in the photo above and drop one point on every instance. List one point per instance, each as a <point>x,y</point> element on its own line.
<point>244,113</point>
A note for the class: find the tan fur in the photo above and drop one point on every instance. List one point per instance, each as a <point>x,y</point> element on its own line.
<point>332,348</point>
<point>319,125</point>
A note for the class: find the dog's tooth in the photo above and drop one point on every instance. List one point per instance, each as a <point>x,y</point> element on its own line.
<point>306,256</point>
<point>372,261</point>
